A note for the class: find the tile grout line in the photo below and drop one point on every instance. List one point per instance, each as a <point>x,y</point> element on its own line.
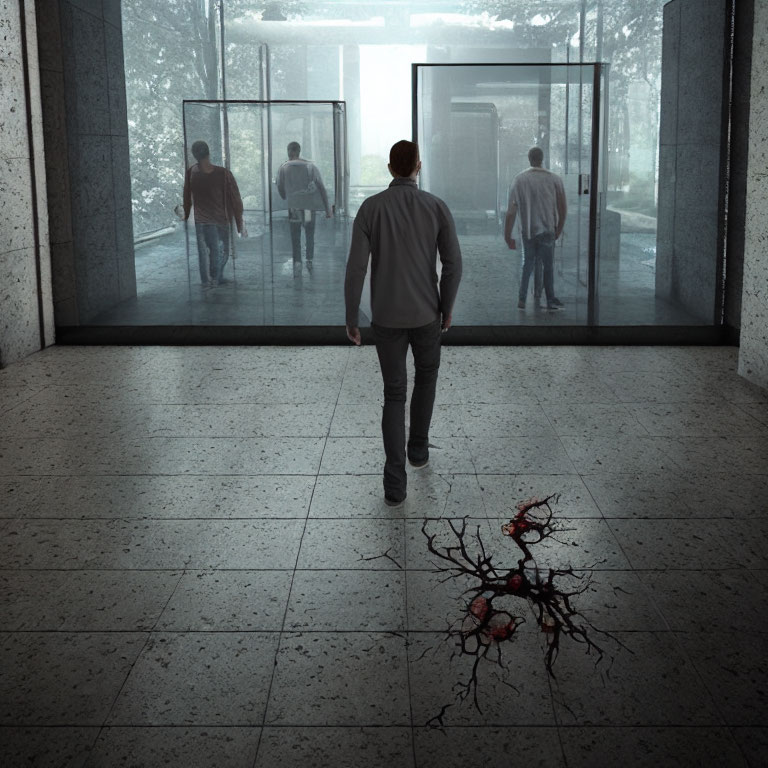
<point>296,568</point>
<point>133,665</point>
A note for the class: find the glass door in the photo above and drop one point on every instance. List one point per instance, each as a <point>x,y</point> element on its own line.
<point>475,125</point>
<point>260,286</point>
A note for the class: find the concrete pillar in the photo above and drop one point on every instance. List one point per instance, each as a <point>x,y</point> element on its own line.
<point>692,156</point>
<point>753,355</point>
<point>26,315</point>
<point>86,140</point>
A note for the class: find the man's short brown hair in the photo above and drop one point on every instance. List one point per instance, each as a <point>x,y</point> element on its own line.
<point>200,150</point>
<point>535,155</point>
<point>403,157</point>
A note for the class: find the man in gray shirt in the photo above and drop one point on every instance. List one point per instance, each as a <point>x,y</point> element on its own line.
<point>538,196</point>
<point>402,229</point>
<point>299,183</point>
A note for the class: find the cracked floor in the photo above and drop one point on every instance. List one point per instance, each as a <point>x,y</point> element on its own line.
<point>199,568</point>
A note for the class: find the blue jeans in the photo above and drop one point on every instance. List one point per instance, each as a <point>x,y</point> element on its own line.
<point>392,348</point>
<point>541,248</point>
<point>212,250</point>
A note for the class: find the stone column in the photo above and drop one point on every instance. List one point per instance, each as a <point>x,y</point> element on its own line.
<point>753,355</point>
<point>26,316</point>
<point>86,139</point>
<point>692,153</point>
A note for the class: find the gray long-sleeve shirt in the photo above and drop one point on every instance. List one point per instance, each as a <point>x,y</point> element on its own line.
<point>402,229</point>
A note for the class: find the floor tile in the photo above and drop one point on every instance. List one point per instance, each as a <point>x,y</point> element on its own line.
<point>162,456</point>
<point>244,420</point>
<point>227,601</point>
<point>365,455</point>
<point>503,420</point>
<point>642,495</point>
<point>666,688</point>
<point>429,495</point>
<point>84,601</point>
<point>174,496</point>
<point>577,389</point>
<point>199,678</point>
<point>700,601</point>
<point>758,411</point>
<point>64,678</point>
<point>674,544</point>
<point>753,743</point>
<point>514,694</point>
<point>592,419</point>
<point>734,669</point>
<point>458,747</point>
<point>528,455</point>
<point>650,747</point>
<point>153,544</point>
<point>501,494</point>
<point>319,747</point>
<point>340,679</point>
<point>345,601</point>
<point>658,387</point>
<point>190,747</point>
<point>737,455</point>
<point>696,420</point>
<point>359,543</point>
<point>47,747</point>
<point>626,454</point>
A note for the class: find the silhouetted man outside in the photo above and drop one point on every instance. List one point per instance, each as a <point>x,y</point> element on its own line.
<point>216,198</point>
<point>538,196</point>
<point>403,229</point>
<point>299,183</point>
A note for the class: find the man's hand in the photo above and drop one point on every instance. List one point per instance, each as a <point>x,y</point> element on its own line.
<point>558,232</point>
<point>446,322</point>
<point>353,334</point>
<point>243,232</point>
<point>510,242</point>
<point>329,214</point>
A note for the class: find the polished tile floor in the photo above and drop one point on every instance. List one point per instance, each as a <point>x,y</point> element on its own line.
<point>198,568</point>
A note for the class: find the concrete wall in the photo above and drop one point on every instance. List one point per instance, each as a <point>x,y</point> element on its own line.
<point>86,143</point>
<point>26,317</point>
<point>753,355</point>
<point>691,156</point>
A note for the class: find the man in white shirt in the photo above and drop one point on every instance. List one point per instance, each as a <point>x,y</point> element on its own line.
<point>299,183</point>
<point>538,196</point>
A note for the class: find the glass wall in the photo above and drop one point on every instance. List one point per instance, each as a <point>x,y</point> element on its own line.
<point>361,53</point>
<point>476,124</point>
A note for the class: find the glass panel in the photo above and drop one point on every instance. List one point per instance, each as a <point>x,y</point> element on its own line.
<point>476,124</point>
<point>266,277</point>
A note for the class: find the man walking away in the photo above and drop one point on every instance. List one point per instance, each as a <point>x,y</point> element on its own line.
<point>403,229</point>
<point>299,183</point>
<point>216,198</point>
<point>539,196</point>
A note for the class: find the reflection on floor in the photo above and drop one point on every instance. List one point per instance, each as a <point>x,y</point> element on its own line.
<point>199,569</point>
<point>261,288</point>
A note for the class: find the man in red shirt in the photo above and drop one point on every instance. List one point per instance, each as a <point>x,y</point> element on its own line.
<point>214,193</point>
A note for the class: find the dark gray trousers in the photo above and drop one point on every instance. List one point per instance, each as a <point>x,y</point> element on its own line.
<point>392,348</point>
